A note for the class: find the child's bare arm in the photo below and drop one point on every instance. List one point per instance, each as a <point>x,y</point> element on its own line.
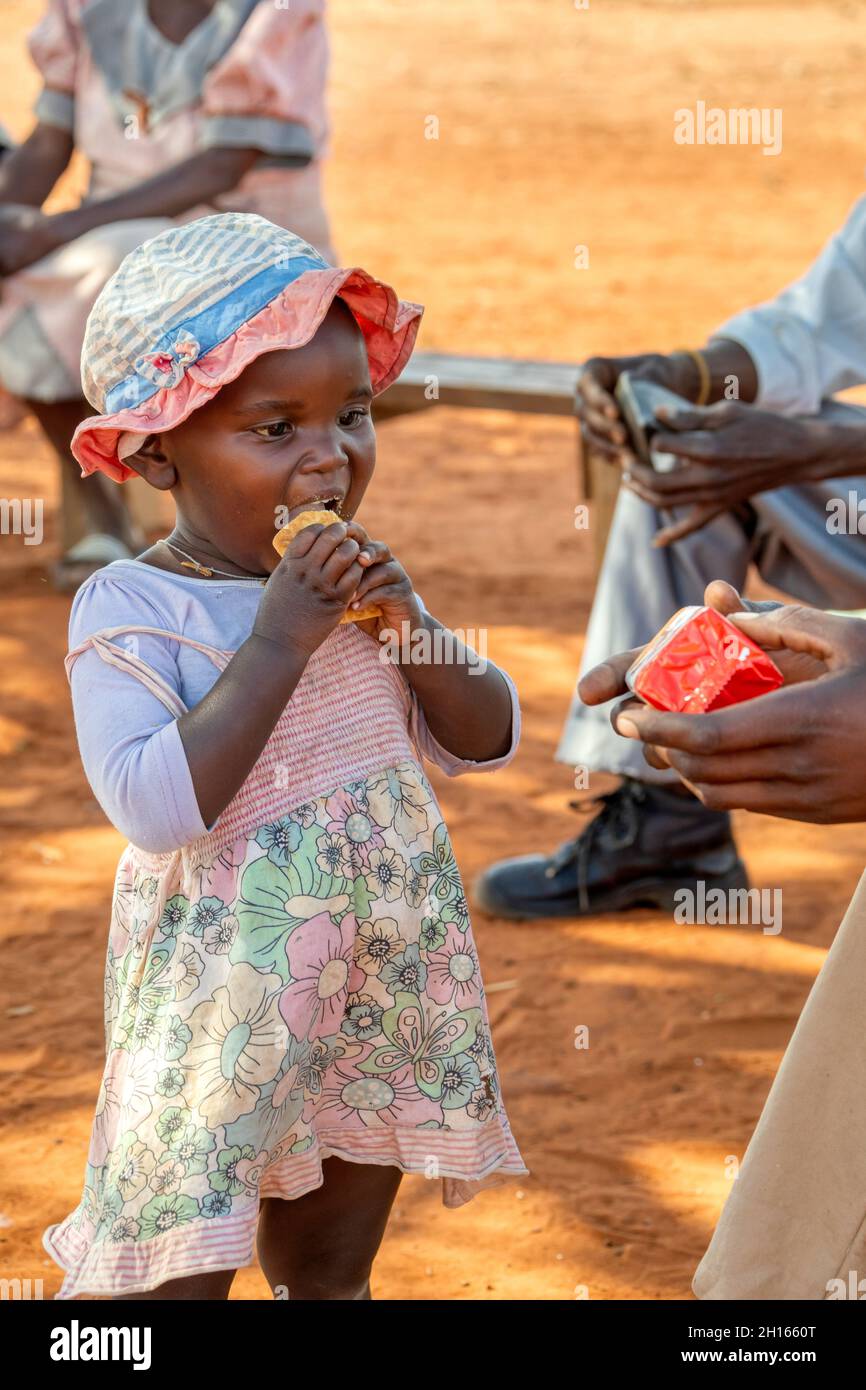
<point>468,711</point>
<point>225,733</point>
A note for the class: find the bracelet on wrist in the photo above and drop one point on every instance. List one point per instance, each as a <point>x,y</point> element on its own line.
<point>703,370</point>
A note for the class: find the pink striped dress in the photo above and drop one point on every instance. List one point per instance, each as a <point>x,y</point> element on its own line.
<point>299,979</point>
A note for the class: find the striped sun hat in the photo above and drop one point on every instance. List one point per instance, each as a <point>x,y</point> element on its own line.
<point>188,310</point>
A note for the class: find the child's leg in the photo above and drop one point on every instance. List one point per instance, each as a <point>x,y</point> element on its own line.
<point>322,1245</point>
<point>214,1285</point>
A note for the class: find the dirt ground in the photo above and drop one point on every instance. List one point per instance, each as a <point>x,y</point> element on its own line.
<point>555,130</point>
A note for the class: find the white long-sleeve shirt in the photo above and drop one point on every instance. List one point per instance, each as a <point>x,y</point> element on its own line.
<point>810,340</point>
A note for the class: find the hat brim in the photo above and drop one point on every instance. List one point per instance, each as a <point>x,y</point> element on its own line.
<point>291,319</point>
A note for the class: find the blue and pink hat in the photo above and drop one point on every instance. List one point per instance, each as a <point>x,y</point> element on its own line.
<point>188,310</point>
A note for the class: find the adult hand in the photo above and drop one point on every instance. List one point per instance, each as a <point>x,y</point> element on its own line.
<point>596,406</point>
<point>795,753</point>
<point>607,680</point>
<point>26,235</point>
<point>732,451</point>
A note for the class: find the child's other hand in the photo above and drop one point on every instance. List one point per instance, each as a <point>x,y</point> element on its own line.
<point>308,592</point>
<point>385,583</point>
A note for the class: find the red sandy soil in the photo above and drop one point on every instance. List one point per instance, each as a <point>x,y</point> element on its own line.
<point>555,129</point>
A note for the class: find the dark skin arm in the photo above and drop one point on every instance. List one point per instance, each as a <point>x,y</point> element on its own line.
<point>195,180</point>
<point>225,733</point>
<point>601,423</point>
<point>467,708</point>
<point>26,236</point>
<point>29,173</point>
<point>730,452</point>
<point>303,602</point>
<point>467,711</point>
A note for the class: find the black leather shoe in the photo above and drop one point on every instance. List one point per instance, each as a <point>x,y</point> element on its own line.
<point>645,842</point>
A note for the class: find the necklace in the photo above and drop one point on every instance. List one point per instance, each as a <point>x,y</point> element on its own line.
<point>208,571</point>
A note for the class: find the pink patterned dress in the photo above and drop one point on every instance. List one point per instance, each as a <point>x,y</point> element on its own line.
<point>301,981</point>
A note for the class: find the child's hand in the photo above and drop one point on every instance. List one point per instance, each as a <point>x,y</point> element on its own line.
<point>307,593</point>
<point>386,583</point>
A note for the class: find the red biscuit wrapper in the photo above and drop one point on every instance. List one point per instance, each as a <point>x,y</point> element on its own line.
<point>701,661</point>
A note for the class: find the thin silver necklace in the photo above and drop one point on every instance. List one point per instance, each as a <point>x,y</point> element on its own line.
<point>208,571</point>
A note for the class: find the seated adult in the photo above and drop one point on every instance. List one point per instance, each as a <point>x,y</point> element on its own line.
<point>181,108</point>
<point>757,473</point>
<point>792,1227</point>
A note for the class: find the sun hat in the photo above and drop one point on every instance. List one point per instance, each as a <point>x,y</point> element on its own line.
<point>189,309</point>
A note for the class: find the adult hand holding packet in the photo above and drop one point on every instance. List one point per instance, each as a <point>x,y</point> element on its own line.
<point>700,661</point>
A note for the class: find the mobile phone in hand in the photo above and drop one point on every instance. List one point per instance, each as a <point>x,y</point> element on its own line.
<point>638,400</point>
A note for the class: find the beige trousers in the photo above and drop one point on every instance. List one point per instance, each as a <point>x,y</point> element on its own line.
<point>795,1220</point>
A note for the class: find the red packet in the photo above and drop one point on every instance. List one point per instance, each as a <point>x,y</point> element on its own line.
<point>701,661</point>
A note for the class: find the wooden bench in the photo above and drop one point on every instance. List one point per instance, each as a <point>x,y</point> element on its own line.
<point>505,383</point>
<point>488,383</point>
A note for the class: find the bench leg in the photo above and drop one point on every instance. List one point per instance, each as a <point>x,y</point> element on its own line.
<point>600,481</point>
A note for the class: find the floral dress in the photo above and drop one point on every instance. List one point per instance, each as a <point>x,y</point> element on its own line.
<point>300,982</point>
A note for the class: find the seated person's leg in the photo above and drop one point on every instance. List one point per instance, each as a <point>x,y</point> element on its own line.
<point>93,506</point>
<point>40,345</point>
<point>811,551</point>
<point>11,410</point>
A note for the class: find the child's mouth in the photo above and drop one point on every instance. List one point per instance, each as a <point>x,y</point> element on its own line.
<point>331,502</point>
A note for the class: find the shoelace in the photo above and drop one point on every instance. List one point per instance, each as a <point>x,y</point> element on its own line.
<point>618,817</point>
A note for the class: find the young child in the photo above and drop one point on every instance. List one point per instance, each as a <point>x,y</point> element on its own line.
<point>293,1007</point>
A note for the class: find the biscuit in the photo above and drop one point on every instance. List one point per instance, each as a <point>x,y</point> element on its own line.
<point>360,615</point>
<point>284,537</point>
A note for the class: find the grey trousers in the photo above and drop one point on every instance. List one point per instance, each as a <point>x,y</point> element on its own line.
<point>784,533</point>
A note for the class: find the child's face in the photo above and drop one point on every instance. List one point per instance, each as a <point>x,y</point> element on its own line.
<point>292,431</point>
